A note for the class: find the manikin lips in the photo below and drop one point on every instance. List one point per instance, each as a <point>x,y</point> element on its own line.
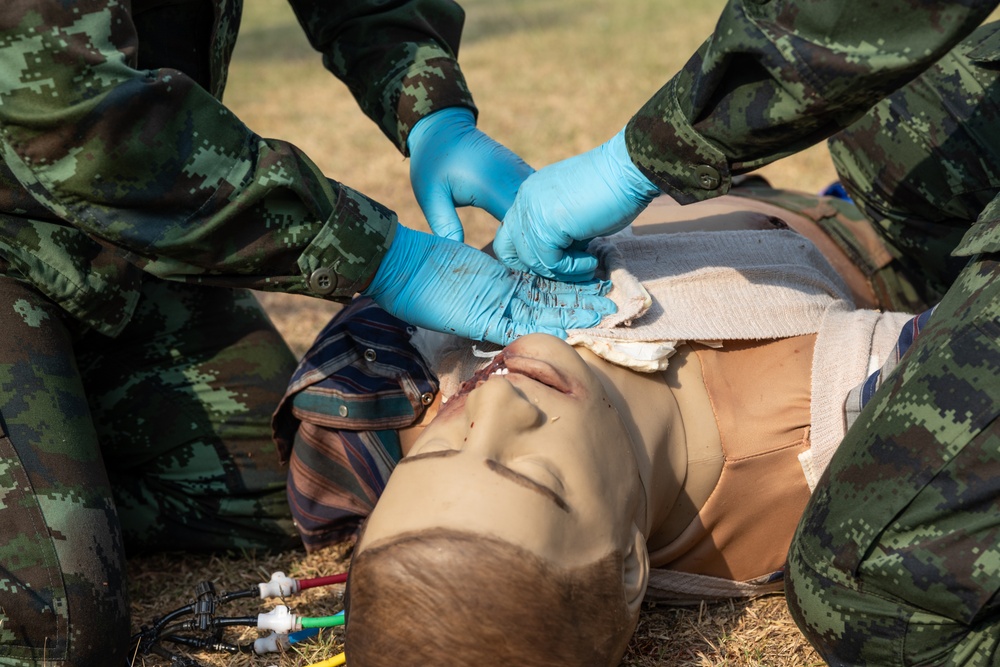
<point>498,366</point>
<point>506,363</point>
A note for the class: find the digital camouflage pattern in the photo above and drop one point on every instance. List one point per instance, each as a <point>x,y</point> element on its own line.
<point>925,181</point>
<point>118,155</point>
<point>897,558</point>
<point>158,439</point>
<point>778,76</point>
<point>397,57</point>
<point>896,561</point>
<point>119,165</point>
<point>135,412</point>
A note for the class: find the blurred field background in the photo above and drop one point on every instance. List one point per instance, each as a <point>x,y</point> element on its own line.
<point>552,78</point>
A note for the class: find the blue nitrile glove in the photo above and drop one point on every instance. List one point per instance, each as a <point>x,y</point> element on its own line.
<point>453,164</point>
<point>448,286</point>
<point>560,208</point>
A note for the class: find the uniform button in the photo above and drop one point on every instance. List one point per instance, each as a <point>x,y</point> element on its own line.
<point>323,281</point>
<point>370,355</point>
<point>343,411</point>
<point>708,177</point>
<point>427,398</point>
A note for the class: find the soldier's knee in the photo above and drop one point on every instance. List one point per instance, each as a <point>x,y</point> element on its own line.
<point>830,608</point>
<point>847,623</point>
<point>78,627</point>
<point>806,592</point>
<point>64,599</point>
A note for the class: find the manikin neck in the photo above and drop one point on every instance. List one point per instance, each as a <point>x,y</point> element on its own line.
<point>649,409</point>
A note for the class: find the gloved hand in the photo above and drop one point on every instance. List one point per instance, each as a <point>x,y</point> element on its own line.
<point>560,208</point>
<point>448,286</point>
<point>453,164</point>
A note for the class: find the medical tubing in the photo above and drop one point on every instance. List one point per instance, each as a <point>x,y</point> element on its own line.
<point>302,635</point>
<point>216,623</point>
<point>161,623</point>
<point>281,585</point>
<point>182,625</point>
<point>322,581</point>
<point>335,661</point>
<point>322,621</point>
<point>235,620</point>
<point>210,644</point>
<point>235,595</point>
<point>276,642</point>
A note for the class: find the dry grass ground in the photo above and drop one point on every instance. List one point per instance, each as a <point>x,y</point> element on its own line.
<point>552,78</point>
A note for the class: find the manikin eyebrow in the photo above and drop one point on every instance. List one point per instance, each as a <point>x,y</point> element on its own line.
<point>499,469</point>
<point>527,482</point>
<point>436,454</point>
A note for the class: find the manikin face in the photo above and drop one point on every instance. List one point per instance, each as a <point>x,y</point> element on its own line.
<point>531,450</point>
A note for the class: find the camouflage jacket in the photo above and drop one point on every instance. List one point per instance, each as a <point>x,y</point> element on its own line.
<point>119,157</point>
<point>777,76</point>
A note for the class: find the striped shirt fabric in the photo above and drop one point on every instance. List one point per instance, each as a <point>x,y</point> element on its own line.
<point>336,426</point>
<point>859,397</point>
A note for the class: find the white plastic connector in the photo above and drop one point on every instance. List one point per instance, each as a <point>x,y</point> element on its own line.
<point>280,586</point>
<point>278,619</point>
<point>273,643</point>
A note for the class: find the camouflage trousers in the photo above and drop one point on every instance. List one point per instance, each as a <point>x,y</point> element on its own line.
<point>158,439</point>
<point>897,558</point>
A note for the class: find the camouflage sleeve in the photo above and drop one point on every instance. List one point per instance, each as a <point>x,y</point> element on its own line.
<point>398,57</point>
<point>148,162</point>
<point>777,76</point>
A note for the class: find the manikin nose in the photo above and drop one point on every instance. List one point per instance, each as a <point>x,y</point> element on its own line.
<point>496,411</point>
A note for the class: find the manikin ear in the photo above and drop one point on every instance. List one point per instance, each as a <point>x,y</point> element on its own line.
<point>635,573</point>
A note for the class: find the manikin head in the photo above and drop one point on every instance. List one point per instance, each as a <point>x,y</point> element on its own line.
<point>511,531</point>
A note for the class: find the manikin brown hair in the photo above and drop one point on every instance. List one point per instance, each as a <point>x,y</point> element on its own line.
<point>456,599</point>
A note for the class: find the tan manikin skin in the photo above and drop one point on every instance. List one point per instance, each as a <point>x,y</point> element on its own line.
<point>673,424</point>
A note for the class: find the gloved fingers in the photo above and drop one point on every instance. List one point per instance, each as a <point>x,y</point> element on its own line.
<point>506,251</point>
<point>508,330</point>
<point>600,305</point>
<point>448,286</point>
<point>558,288</point>
<point>450,157</point>
<point>439,209</point>
<point>560,207</point>
<point>554,294</point>
<point>547,319</point>
<point>572,267</point>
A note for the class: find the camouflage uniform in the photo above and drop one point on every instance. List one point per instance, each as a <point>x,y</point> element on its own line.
<point>135,384</point>
<point>913,579</point>
<point>156,439</point>
<point>897,558</point>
